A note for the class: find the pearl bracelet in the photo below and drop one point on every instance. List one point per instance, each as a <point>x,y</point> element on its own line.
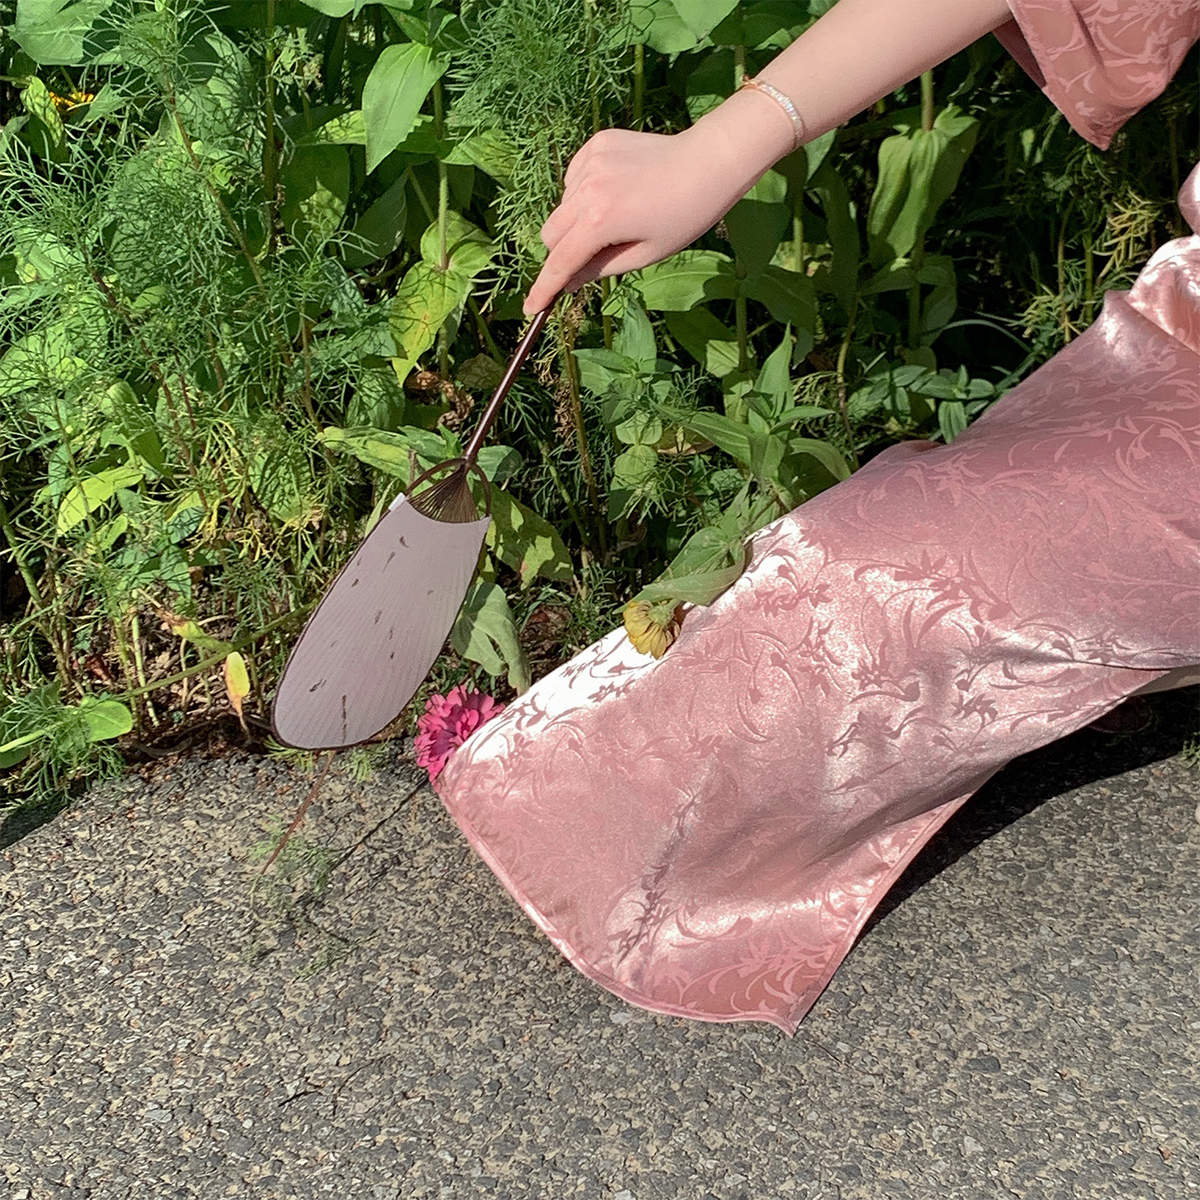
<point>785,103</point>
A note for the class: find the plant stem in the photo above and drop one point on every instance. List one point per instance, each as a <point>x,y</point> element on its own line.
<point>585,458</point>
<point>639,84</point>
<point>269,161</point>
<point>252,670</point>
<point>429,213</point>
<point>562,491</point>
<point>217,659</point>
<point>917,261</point>
<point>593,82</point>
<point>739,308</point>
<point>927,109</point>
<point>127,671</point>
<point>1063,307</point>
<point>139,663</point>
<point>917,258</point>
<point>44,615</point>
<point>312,795</point>
<point>484,331</point>
<point>443,217</point>
<point>843,352</point>
<point>234,228</point>
<point>1089,278</point>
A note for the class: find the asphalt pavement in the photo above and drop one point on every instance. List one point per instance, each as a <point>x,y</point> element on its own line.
<point>376,1018</point>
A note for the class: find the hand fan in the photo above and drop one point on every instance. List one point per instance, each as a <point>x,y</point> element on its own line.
<point>385,618</point>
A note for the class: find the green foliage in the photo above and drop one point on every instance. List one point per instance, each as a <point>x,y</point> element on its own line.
<point>261,263</point>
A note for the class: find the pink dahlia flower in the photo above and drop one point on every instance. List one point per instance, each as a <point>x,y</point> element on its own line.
<point>447,722</point>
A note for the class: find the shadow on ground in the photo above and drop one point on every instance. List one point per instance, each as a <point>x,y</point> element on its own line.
<point>1161,725</point>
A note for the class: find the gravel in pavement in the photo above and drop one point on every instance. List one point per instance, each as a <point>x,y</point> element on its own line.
<point>1021,1022</point>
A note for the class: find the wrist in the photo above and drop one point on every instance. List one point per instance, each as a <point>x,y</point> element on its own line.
<point>743,137</point>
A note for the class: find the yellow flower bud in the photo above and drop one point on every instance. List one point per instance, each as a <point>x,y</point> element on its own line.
<point>652,625</point>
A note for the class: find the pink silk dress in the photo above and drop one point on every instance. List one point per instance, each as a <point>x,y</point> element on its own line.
<point>706,834</point>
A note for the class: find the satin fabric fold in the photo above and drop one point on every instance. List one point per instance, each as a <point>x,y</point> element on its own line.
<point>705,835</point>
<point>1100,61</point>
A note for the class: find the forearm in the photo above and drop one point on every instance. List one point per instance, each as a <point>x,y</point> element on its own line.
<point>857,52</point>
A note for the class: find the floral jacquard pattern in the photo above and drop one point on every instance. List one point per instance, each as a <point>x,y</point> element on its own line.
<point>706,834</point>
<point>1101,60</point>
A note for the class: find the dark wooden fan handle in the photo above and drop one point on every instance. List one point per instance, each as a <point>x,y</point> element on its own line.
<point>522,352</point>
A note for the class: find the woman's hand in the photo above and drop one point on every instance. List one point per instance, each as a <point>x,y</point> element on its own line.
<point>633,199</point>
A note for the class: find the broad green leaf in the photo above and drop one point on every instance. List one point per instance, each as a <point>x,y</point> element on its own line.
<point>131,418</point>
<point>702,587</point>
<point>901,201</point>
<point>842,274</point>
<point>767,24</point>
<point>718,545</point>
<point>468,248</point>
<point>278,469</point>
<point>335,8</point>
<point>378,401</point>
<point>342,129</point>
<point>635,467</point>
<point>43,358</point>
<point>237,682</point>
<point>107,535</point>
<point>789,297</point>
<point>635,339</point>
<point>42,256</point>
<point>895,276</point>
<point>961,133</point>
<point>380,229</point>
<point>90,493</point>
<point>499,463</point>
<point>185,515</point>
<point>104,719</point>
<point>703,16</point>
<point>758,221</point>
<point>952,418</point>
<point>526,541</point>
<point>38,102</point>
<point>816,151</point>
<point>710,83</point>
<point>423,301</point>
<point>825,453</point>
<point>942,302</point>
<point>918,170</point>
<point>686,280</point>
<point>599,369</point>
<point>642,429</point>
<point>187,630</point>
<point>800,412</point>
<point>774,380</point>
<point>53,32</point>
<point>491,150</point>
<point>399,82</point>
<point>710,561</point>
<point>388,452</point>
<point>657,24</point>
<point>316,187</point>
<point>733,437</point>
<point>486,633</point>
<point>711,343</point>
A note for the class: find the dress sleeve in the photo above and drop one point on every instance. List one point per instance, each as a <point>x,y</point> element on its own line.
<point>1101,60</point>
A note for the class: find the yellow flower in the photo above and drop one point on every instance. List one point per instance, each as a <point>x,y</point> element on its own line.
<point>653,625</point>
<point>74,100</point>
